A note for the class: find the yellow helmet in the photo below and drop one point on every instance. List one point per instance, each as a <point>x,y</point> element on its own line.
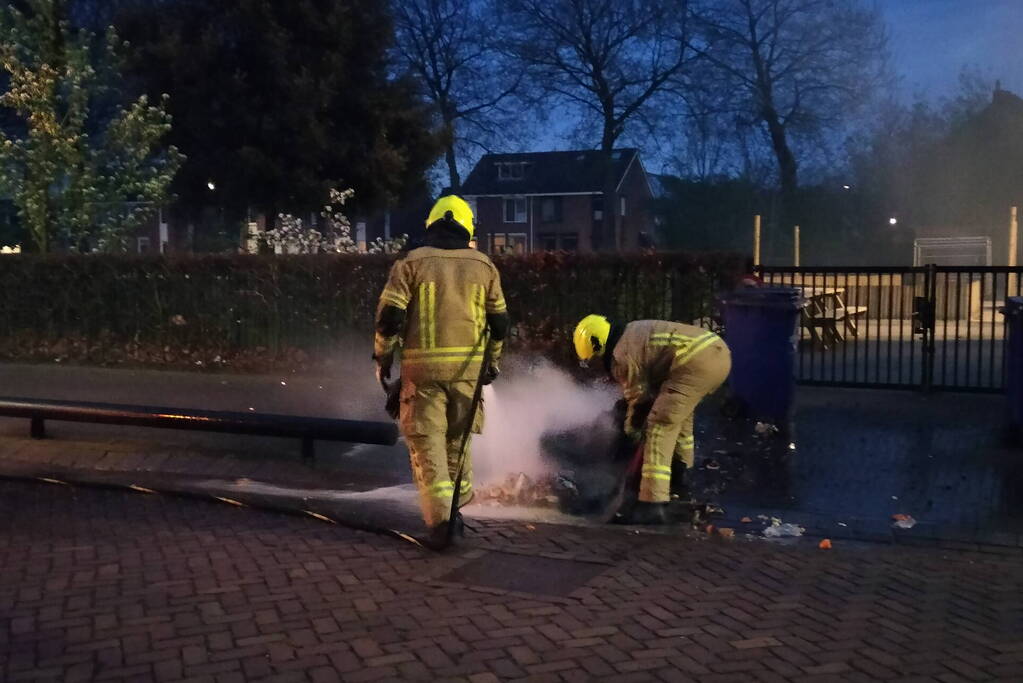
<point>453,207</point>
<point>591,336</point>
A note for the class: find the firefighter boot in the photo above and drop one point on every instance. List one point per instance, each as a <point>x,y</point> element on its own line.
<point>680,482</point>
<point>645,513</point>
<point>443,535</point>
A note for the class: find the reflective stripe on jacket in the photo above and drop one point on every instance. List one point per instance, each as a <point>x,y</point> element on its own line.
<point>649,350</point>
<point>446,295</point>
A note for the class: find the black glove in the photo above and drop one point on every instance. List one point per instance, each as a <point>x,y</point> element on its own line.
<point>393,403</point>
<point>492,372</point>
<point>640,412</point>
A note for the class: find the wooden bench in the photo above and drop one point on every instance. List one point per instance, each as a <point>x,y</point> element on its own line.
<point>824,311</point>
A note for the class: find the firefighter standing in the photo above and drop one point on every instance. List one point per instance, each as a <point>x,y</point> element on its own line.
<point>442,306</point>
<point>668,367</point>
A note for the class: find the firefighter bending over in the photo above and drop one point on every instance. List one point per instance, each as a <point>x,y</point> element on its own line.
<point>666,368</point>
<point>441,306</point>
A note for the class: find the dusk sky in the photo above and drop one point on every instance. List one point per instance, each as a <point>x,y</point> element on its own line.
<point>932,40</point>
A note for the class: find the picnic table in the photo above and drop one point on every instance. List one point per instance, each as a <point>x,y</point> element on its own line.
<point>824,311</point>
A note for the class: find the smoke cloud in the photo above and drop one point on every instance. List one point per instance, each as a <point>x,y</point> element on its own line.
<point>521,408</point>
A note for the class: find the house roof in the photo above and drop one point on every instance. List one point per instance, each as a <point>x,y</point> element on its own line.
<point>571,172</point>
<point>659,184</point>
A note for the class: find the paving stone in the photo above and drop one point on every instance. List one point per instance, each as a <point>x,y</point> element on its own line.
<point>104,585</point>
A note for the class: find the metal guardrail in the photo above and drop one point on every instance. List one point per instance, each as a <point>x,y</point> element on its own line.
<point>308,429</point>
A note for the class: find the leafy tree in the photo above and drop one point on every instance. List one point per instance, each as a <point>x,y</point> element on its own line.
<point>277,102</point>
<point>609,59</point>
<point>81,167</point>
<point>463,71</point>
<point>799,69</point>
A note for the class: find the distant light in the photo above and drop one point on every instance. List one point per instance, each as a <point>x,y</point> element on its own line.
<point>211,185</point>
<point>893,221</point>
<point>846,187</point>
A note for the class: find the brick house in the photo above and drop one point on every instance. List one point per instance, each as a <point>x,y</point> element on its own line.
<point>543,201</point>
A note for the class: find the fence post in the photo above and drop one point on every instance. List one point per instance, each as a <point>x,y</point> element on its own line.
<point>930,292</point>
<point>796,242</point>
<point>756,240</point>
<point>1012,283</point>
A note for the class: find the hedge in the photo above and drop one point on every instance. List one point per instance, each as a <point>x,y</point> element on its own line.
<point>155,310</point>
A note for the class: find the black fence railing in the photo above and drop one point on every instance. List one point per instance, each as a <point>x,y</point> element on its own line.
<point>927,327</point>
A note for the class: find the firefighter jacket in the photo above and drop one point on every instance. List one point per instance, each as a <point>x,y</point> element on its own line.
<point>646,355</point>
<point>437,306</point>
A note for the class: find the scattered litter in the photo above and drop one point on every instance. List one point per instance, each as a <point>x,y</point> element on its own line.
<point>519,489</point>
<point>842,524</point>
<point>726,533</point>
<point>763,428</point>
<point>895,497</point>
<point>745,520</point>
<point>792,446</point>
<point>283,383</point>
<point>783,530</point>
<point>178,320</point>
<point>763,518</point>
<point>825,544</point>
<point>720,452</point>
<point>531,527</point>
<point>710,528</point>
<point>251,408</point>
<point>712,465</point>
<point>712,509</point>
<point>903,521</point>
<point>775,521</point>
<point>321,386</point>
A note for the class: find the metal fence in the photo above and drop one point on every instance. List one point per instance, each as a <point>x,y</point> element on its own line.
<point>931,327</point>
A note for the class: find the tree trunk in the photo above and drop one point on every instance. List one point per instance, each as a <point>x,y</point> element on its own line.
<point>453,179</point>
<point>787,168</point>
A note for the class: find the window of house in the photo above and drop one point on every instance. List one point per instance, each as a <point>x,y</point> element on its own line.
<point>511,171</point>
<point>515,210</point>
<point>143,244</point>
<point>570,241</point>
<point>508,243</point>
<point>547,242</point>
<point>550,209</point>
<point>621,205</point>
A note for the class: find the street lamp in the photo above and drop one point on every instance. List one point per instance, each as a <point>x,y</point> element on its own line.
<point>893,221</point>
<point>211,186</point>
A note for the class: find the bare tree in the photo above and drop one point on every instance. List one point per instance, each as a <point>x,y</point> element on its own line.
<point>453,48</point>
<point>609,59</point>
<point>796,67</point>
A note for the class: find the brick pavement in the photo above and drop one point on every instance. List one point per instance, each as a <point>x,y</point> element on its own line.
<point>109,585</point>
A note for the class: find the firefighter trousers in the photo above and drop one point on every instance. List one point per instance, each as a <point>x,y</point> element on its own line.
<point>669,427</point>
<point>434,416</point>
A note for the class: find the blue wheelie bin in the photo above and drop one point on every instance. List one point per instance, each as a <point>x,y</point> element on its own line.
<point>1013,311</point>
<point>762,332</point>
